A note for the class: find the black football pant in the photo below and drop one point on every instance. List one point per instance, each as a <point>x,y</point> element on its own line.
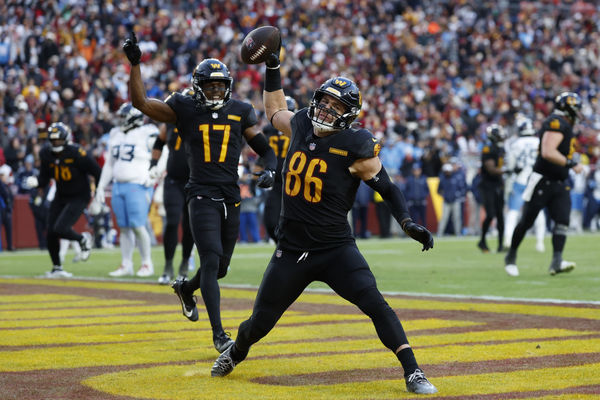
<point>215,228</point>
<point>556,197</point>
<point>493,202</point>
<point>175,207</point>
<point>344,269</point>
<point>63,214</point>
<point>272,211</point>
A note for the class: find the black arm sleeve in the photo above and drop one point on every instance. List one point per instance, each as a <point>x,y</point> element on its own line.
<point>91,166</point>
<point>392,195</point>
<point>260,145</point>
<point>158,144</point>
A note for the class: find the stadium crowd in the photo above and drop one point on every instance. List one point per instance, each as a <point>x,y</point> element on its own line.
<point>434,74</point>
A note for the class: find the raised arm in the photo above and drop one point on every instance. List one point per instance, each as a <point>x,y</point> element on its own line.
<point>156,109</point>
<point>274,98</point>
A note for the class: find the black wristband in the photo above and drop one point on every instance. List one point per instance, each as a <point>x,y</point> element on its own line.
<point>260,145</point>
<point>272,80</point>
<point>153,163</point>
<point>570,163</point>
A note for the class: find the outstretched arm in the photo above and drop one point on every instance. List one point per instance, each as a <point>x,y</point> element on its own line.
<point>156,109</point>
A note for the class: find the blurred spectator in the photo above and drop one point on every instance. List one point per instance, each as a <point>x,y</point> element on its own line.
<point>451,188</point>
<point>14,153</point>
<point>6,206</point>
<point>360,215</point>
<point>416,192</point>
<point>249,228</point>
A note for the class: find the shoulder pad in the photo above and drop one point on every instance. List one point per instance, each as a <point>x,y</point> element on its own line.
<point>486,149</point>
<point>365,145</point>
<point>554,124</point>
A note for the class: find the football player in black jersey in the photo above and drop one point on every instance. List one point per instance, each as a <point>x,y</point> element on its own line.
<point>213,127</point>
<point>548,184</point>
<point>178,173</point>
<point>280,143</point>
<point>327,158</point>
<point>491,186</point>
<point>70,167</point>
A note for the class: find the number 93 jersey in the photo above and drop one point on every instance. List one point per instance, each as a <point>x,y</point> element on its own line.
<point>131,153</point>
<point>318,189</point>
<point>213,141</point>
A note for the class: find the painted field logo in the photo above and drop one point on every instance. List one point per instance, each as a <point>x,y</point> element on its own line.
<point>122,345</point>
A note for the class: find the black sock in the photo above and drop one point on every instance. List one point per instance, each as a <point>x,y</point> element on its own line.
<point>237,355</point>
<point>408,361</point>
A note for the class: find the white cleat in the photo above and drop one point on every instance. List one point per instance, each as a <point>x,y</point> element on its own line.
<point>121,271</point>
<point>145,270</point>
<point>539,247</point>
<point>511,269</point>
<point>58,273</point>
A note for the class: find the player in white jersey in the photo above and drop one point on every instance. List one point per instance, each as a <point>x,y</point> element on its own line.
<point>520,158</point>
<point>130,147</point>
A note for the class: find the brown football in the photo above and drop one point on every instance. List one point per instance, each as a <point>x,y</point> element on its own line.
<point>259,43</point>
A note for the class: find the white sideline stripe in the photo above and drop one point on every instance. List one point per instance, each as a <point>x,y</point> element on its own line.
<point>435,295</point>
<point>323,290</point>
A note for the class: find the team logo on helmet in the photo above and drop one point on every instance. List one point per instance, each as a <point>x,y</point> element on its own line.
<point>211,70</point>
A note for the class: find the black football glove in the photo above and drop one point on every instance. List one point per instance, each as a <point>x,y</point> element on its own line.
<point>272,61</point>
<point>419,233</point>
<point>265,179</point>
<point>132,50</point>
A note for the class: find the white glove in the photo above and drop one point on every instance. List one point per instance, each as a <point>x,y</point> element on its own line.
<point>99,196</point>
<point>95,207</point>
<point>150,182</point>
<point>154,173</point>
<point>30,182</point>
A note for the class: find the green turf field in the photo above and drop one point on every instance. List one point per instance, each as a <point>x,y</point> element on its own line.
<point>454,266</point>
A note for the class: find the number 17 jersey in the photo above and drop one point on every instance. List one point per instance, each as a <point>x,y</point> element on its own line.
<point>213,142</point>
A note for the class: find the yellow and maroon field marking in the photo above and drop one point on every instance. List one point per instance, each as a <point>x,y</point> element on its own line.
<point>109,340</point>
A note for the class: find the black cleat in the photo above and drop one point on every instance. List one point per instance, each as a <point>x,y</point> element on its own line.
<point>224,364</point>
<point>188,304</point>
<point>222,341</point>
<point>483,247</point>
<point>415,383</point>
<point>557,266</point>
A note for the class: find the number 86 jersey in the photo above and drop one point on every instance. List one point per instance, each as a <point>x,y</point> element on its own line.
<point>318,189</point>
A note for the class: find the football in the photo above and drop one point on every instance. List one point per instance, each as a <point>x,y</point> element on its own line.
<point>259,43</point>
